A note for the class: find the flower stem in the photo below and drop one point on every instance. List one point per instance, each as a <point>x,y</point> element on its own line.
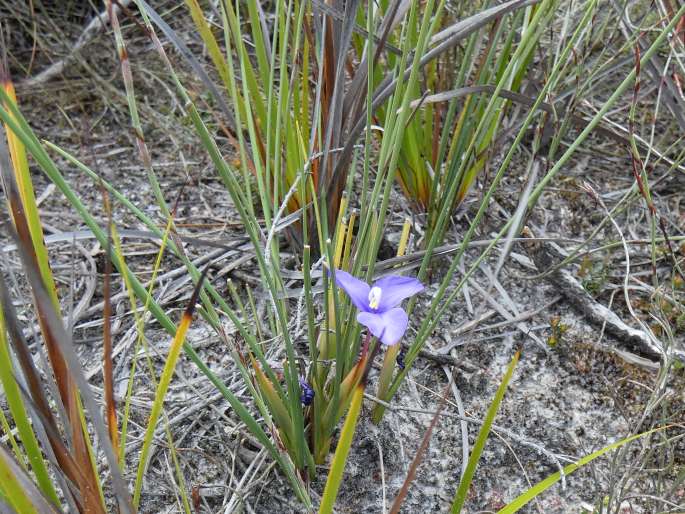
<point>384,380</point>
<point>374,351</point>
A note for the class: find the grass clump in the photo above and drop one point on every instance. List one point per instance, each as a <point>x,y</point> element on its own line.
<point>316,120</point>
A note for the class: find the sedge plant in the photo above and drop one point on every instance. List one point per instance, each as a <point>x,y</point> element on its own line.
<point>323,114</point>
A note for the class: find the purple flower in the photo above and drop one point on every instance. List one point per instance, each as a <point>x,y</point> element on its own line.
<point>307,396</point>
<point>378,303</point>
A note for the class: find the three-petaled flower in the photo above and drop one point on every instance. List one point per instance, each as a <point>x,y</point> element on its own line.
<point>378,303</point>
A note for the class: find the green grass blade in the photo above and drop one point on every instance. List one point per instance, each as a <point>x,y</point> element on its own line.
<point>548,482</point>
<point>17,489</point>
<point>208,39</point>
<point>5,425</point>
<point>56,330</point>
<point>18,124</point>
<point>22,174</point>
<point>166,323</point>
<point>163,386</point>
<point>53,173</point>
<point>20,416</point>
<point>482,438</point>
<point>335,475</point>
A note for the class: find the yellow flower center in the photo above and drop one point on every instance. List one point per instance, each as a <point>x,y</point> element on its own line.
<point>375,297</point>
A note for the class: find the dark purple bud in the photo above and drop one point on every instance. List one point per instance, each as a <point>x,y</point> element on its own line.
<point>307,396</point>
<point>400,358</point>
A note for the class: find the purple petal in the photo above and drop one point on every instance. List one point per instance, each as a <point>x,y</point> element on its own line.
<point>395,289</point>
<point>388,326</point>
<point>357,290</point>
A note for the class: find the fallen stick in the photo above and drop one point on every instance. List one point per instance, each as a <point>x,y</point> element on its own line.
<point>546,255</point>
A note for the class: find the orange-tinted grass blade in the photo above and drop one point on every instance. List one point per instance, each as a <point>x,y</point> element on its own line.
<point>86,480</point>
<point>31,452</point>
<point>163,385</point>
<point>24,188</point>
<point>108,375</point>
<point>65,385</point>
<point>37,399</point>
<point>348,241</point>
<point>21,226</point>
<point>75,375</point>
<point>356,376</point>
<point>67,465</point>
